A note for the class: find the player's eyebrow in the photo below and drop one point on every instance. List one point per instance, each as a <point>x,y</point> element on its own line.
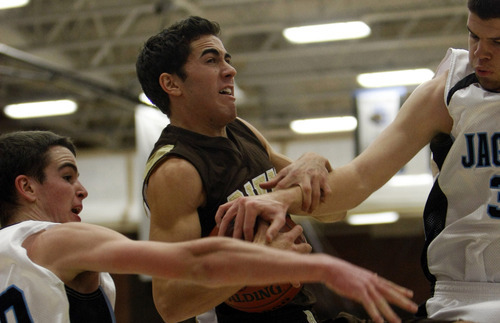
<point>214,52</point>
<point>470,31</point>
<point>493,38</point>
<point>70,165</point>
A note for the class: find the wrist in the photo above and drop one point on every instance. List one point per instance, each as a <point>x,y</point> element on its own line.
<point>291,197</point>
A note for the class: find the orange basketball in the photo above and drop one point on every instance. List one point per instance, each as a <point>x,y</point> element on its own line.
<point>263,298</point>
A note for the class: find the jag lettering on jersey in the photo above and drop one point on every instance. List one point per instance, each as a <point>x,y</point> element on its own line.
<point>252,187</point>
<point>482,150</point>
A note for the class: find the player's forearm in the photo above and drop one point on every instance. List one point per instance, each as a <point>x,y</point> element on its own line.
<point>224,261</point>
<point>180,300</point>
<point>347,191</point>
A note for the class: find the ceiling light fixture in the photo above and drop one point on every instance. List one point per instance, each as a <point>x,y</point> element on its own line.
<point>8,4</point>
<point>394,78</point>
<point>40,109</point>
<point>373,218</point>
<point>323,125</point>
<point>327,32</point>
<point>411,180</point>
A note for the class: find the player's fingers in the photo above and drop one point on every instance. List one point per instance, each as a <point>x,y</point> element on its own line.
<point>272,182</point>
<point>397,288</point>
<point>328,166</point>
<point>385,310</point>
<point>221,211</point>
<point>295,232</point>
<point>249,225</point>
<point>306,196</point>
<point>238,223</point>
<point>274,228</point>
<point>225,219</point>
<point>398,295</point>
<point>260,233</point>
<point>383,307</point>
<point>286,181</point>
<point>302,247</point>
<point>315,196</point>
<point>325,189</point>
<point>372,310</point>
<point>222,229</point>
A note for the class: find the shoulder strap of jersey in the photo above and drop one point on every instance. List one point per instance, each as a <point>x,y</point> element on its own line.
<point>463,83</point>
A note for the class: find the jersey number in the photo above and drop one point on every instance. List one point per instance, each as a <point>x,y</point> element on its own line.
<point>494,210</point>
<point>13,305</point>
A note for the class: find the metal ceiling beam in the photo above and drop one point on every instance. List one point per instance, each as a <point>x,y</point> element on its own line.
<point>71,76</point>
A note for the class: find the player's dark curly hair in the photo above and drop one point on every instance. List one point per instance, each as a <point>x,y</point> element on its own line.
<point>484,9</point>
<point>24,153</point>
<point>167,52</point>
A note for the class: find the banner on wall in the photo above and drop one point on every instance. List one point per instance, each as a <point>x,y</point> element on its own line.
<point>375,110</point>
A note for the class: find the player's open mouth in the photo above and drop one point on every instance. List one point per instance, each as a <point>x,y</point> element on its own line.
<point>226,91</point>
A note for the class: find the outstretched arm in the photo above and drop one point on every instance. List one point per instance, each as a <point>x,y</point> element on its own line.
<point>421,118</point>
<point>72,248</point>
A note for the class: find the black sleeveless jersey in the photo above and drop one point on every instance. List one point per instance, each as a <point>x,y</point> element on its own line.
<point>225,165</point>
<point>229,168</point>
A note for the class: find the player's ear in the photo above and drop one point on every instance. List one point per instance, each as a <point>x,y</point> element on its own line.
<point>170,84</point>
<point>25,187</point>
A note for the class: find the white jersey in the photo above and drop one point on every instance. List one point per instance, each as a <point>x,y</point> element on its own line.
<point>29,292</point>
<point>463,211</point>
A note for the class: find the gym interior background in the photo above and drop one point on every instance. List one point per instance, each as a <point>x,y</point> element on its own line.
<point>85,51</point>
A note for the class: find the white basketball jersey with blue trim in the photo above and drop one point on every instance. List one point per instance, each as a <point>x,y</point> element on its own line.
<point>468,248</point>
<point>29,292</point>
<point>464,252</point>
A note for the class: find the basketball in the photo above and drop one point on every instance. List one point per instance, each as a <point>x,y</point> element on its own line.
<point>256,299</point>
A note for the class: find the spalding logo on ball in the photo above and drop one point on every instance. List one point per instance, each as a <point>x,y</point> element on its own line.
<point>263,298</point>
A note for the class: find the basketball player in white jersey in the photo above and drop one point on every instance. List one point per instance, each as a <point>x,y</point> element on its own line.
<point>458,113</point>
<point>51,264</point>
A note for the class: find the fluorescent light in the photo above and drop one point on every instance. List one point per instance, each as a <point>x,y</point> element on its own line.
<point>40,109</point>
<point>327,32</point>
<point>7,4</point>
<point>320,125</point>
<point>393,78</point>
<point>372,218</point>
<point>411,180</point>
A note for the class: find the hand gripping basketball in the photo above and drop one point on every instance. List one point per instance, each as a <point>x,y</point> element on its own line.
<point>257,299</point>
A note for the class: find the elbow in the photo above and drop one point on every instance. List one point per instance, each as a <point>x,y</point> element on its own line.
<point>169,311</point>
<point>331,217</point>
<point>163,309</point>
<point>340,216</point>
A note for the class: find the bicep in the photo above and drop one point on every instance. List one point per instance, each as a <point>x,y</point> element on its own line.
<point>72,248</point>
<point>174,194</point>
